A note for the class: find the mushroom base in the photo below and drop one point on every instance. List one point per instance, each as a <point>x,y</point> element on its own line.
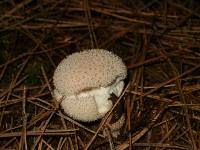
<point>83,110</point>
<point>90,105</point>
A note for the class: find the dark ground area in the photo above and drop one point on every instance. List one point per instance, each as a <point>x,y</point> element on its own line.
<point>158,40</point>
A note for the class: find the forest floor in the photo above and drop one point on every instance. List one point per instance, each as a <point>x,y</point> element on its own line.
<point>159,41</point>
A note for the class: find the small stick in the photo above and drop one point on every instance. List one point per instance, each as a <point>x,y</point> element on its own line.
<point>108,134</point>
<point>23,141</point>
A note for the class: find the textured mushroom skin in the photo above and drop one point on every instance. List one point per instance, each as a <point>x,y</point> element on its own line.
<point>84,82</point>
<point>86,70</point>
<point>83,109</point>
<point>89,105</point>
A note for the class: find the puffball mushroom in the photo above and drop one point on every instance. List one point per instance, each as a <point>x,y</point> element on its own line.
<point>85,80</point>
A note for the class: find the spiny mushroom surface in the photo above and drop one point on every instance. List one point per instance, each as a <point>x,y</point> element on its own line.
<point>85,80</point>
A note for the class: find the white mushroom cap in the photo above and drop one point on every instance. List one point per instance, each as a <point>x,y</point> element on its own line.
<point>85,80</point>
<point>88,69</point>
